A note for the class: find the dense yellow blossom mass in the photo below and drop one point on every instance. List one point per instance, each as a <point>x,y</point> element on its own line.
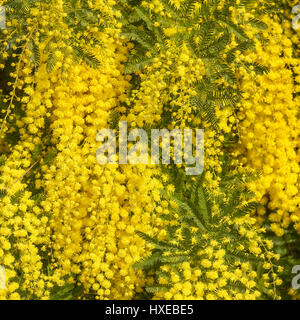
<point>90,213</point>
<point>269,128</point>
<point>71,228</point>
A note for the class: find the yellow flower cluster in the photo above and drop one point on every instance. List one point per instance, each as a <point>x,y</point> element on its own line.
<point>269,128</point>
<point>217,272</point>
<point>167,82</point>
<point>25,232</point>
<point>90,213</point>
<point>96,209</point>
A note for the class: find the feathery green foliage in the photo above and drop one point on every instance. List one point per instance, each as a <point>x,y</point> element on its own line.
<point>207,30</point>
<point>78,16</point>
<point>198,219</point>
